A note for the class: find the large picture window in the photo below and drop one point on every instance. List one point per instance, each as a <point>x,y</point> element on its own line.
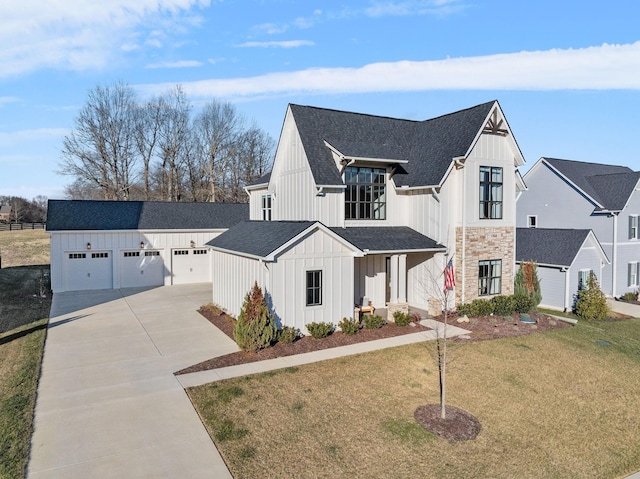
<point>314,288</point>
<point>489,277</point>
<point>365,195</point>
<point>490,192</point>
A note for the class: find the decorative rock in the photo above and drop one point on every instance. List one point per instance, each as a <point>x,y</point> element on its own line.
<point>533,326</point>
<point>463,319</point>
<point>552,322</point>
<point>464,336</point>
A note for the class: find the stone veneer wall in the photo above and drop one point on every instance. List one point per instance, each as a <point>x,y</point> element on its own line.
<point>484,243</point>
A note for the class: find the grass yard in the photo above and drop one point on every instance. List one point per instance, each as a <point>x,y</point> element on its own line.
<point>23,320</point>
<point>552,405</point>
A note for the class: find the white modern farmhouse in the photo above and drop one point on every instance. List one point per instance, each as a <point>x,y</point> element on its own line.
<point>361,208</point>
<point>121,244</point>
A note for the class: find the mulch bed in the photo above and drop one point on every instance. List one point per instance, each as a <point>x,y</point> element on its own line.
<point>483,328</point>
<point>459,425</point>
<point>305,344</point>
<point>496,327</point>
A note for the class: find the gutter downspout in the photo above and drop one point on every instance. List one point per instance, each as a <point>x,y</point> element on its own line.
<point>614,259</point>
<point>567,279</point>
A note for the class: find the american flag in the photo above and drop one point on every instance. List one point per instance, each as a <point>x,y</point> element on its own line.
<point>449,276</point>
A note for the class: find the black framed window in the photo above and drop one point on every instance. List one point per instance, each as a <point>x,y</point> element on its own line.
<point>489,277</point>
<point>490,192</point>
<point>314,288</point>
<point>365,195</point>
<point>266,207</point>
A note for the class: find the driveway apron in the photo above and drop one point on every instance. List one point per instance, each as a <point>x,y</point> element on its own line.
<point>108,404</point>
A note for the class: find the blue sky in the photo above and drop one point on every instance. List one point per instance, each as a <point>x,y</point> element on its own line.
<point>567,74</point>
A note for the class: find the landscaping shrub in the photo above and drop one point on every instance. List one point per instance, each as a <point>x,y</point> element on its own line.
<point>482,307</point>
<point>630,296</point>
<point>503,305</point>
<point>522,303</point>
<point>591,303</point>
<point>465,310</point>
<point>288,334</point>
<point>349,326</point>
<point>255,328</point>
<point>320,330</point>
<point>372,321</point>
<point>526,282</point>
<point>401,318</point>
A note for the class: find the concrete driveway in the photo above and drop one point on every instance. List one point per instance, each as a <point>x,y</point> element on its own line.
<point>108,405</point>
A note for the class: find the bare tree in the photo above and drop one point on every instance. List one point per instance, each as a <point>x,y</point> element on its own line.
<point>148,119</point>
<point>100,149</point>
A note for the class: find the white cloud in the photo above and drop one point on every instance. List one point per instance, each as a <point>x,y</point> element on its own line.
<point>280,44</point>
<point>7,99</point>
<point>413,7</point>
<point>29,137</point>
<point>270,28</point>
<point>84,33</point>
<point>597,68</point>
<point>178,64</point>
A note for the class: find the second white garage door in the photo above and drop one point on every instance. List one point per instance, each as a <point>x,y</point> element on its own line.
<point>141,268</point>
<point>190,265</point>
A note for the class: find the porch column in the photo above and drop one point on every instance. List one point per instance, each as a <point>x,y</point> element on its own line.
<point>394,278</point>
<point>402,278</point>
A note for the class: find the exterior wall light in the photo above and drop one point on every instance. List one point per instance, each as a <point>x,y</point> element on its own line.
<point>141,244</point>
<point>88,245</point>
<point>193,244</point>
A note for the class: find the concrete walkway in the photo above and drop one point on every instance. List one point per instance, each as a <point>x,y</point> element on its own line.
<point>108,403</point>
<point>629,309</point>
<point>204,377</point>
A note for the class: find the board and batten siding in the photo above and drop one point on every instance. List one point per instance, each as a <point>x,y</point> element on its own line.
<point>284,281</point>
<point>117,241</point>
<point>370,279</point>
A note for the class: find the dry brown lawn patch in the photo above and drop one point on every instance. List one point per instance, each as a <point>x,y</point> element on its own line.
<point>24,247</point>
<point>551,405</point>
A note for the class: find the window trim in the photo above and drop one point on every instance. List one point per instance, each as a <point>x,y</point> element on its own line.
<point>583,278</point>
<point>487,204</point>
<point>633,269</point>
<point>633,226</point>
<point>313,287</point>
<point>491,279</point>
<point>373,208</point>
<point>534,223</point>
<point>266,202</point>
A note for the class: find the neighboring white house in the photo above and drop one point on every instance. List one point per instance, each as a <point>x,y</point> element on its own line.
<point>362,208</point>
<point>602,198</point>
<point>120,244</point>
<point>564,257</point>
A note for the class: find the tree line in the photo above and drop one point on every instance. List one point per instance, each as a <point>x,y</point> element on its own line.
<point>25,211</point>
<point>124,148</point>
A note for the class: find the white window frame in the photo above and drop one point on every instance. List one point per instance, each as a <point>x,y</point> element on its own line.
<point>633,270</point>
<point>583,278</point>
<point>532,221</point>
<point>267,204</point>
<point>633,226</point>
<point>313,289</point>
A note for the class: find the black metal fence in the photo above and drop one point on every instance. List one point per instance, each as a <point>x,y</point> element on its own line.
<point>21,226</point>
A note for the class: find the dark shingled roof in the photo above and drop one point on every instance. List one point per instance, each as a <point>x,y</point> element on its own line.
<point>429,145</point>
<point>259,238</point>
<point>609,185</point>
<point>549,245</point>
<point>77,215</point>
<point>387,238</point>
<point>262,180</point>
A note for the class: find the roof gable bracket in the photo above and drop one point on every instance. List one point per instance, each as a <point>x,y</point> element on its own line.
<point>494,125</point>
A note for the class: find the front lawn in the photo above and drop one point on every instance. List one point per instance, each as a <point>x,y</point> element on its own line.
<point>556,404</point>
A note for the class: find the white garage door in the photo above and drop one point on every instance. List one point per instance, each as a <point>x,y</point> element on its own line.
<point>88,270</point>
<point>190,265</point>
<point>141,268</point>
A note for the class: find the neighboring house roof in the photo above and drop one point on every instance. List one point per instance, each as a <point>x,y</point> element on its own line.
<point>429,146</point>
<point>380,239</point>
<point>610,186</point>
<point>81,215</point>
<point>552,246</point>
<point>263,239</point>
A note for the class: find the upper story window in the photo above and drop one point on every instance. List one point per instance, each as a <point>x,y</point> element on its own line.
<point>490,192</point>
<point>266,207</point>
<point>633,227</point>
<point>365,196</point>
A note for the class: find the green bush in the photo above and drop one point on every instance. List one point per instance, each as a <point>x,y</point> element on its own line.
<point>372,321</point>
<point>465,310</point>
<point>522,302</point>
<point>482,307</point>
<point>255,328</point>
<point>320,330</point>
<point>349,326</point>
<point>526,282</point>
<point>401,318</point>
<point>503,305</point>
<point>630,296</point>
<point>288,334</point>
<point>592,303</point>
